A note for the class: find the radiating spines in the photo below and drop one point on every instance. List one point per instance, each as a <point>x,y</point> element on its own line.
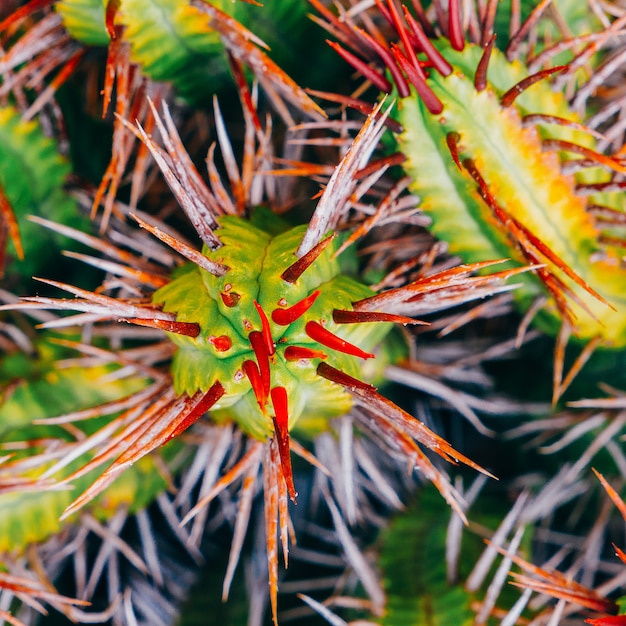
<point>256,338</point>
<point>582,284</point>
<point>251,313</point>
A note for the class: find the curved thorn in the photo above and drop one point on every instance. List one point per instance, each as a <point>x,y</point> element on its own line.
<point>480,78</point>
<point>295,353</point>
<point>318,333</point>
<point>509,97</point>
<point>295,270</point>
<point>359,317</point>
<point>188,329</point>
<point>567,146</point>
<point>266,330</point>
<point>263,358</point>
<point>284,317</point>
<point>251,370</point>
<point>281,426</point>
<point>341,378</point>
<point>452,139</point>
